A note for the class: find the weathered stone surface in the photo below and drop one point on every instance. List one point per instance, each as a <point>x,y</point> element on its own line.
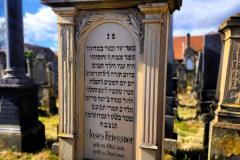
<point>19,118</point>
<point>19,124</point>
<point>224,132</point>
<point>103,50</point>
<point>84,4</point>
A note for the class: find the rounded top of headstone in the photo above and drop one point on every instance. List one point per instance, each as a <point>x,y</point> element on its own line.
<point>233,21</point>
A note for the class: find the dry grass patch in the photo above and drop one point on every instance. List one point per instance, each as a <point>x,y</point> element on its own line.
<point>190,134</point>
<point>188,99</point>
<point>186,113</point>
<point>11,155</point>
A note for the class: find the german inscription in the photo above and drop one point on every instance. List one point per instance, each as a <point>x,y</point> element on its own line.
<point>110,53</point>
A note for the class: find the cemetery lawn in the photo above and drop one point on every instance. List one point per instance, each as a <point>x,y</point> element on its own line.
<point>189,127</point>
<point>190,134</point>
<point>50,123</point>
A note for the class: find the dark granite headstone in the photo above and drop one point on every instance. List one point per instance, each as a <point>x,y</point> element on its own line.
<point>19,125</point>
<point>208,74</point>
<point>170,94</point>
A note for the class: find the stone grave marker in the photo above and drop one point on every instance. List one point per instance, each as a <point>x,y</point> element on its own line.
<point>170,135</point>
<point>19,125</point>
<point>225,128</point>
<point>208,74</point>
<point>112,78</point>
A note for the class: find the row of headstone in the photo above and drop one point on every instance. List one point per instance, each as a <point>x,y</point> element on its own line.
<point>41,66</point>
<point>43,74</point>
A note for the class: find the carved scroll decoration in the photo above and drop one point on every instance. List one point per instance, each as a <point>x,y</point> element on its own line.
<point>128,17</point>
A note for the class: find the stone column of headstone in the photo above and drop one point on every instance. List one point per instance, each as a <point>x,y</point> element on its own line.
<point>225,128</point>
<point>19,125</point>
<point>170,136</point>
<point>155,68</point>
<point>66,88</point>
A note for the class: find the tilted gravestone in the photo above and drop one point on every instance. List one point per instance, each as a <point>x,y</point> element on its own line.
<point>225,128</point>
<point>112,78</point>
<point>19,125</point>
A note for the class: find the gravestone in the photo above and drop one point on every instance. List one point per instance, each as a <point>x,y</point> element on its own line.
<point>39,70</point>
<point>42,68</point>
<point>19,125</point>
<point>225,128</point>
<point>190,61</point>
<point>170,135</point>
<point>208,74</point>
<point>182,78</point>
<point>112,84</point>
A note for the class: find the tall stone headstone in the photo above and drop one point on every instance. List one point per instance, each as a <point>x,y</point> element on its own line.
<point>207,78</point>
<point>112,78</point>
<point>19,125</point>
<point>190,61</point>
<point>225,128</point>
<point>209,67</point>
<point>170,135</point>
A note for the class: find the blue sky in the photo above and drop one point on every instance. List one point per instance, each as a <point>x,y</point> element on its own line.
<point>196,17</point>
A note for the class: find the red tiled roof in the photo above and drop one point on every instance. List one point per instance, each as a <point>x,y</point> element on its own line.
<point>180,43</point>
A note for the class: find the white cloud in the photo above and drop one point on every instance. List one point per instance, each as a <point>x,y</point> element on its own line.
<point>41,27</point>
<point>203,16</point>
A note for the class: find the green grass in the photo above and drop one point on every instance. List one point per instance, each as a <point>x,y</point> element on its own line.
<point>50,123</point>
<point>186,113</point>
<point>190,134</point>
<point>43,155</point>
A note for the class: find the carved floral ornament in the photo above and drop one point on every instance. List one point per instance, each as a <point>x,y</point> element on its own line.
<point>128,19</point>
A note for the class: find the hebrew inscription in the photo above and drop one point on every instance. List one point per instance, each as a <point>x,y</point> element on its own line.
<point>233,95</point>
<point>110,53</point>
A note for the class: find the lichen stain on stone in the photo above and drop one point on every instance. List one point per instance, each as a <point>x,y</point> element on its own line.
<point>226,143</point>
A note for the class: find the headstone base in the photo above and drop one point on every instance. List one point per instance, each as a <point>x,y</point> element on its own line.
<point>19,125</point>
<point>170,145</point>
<point>224,134</point>
<point>10,137</point>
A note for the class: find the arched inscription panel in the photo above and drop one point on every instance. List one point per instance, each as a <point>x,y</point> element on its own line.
<point>110,53</point>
